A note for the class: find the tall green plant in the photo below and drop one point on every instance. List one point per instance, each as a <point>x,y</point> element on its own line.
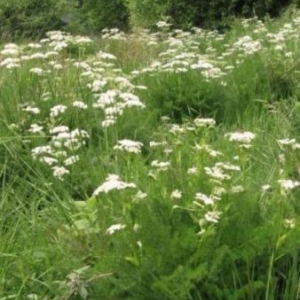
<point>146,12</point>
<point>214,14</point>
<point>97,15</point>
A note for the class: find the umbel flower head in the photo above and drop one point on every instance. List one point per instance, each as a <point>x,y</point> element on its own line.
<point>245,137</point>
<point>113,182</point>
<point>129,146</point>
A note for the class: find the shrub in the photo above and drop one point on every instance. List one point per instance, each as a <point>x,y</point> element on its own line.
<point>97,15</point>
<point>214,14</point>
<point>28,18</point>
<point>146,12</point>
<point>33,18</point>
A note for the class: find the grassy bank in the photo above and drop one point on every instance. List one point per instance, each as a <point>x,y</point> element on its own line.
<point>151,166</point>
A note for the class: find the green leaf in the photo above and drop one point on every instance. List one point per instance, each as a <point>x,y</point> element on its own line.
<point>133,260</point>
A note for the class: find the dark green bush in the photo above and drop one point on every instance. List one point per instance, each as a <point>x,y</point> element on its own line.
<point>213,14</point>
<point>93,16</point>
<point>146,13</point>
<point>35,17</point>
<point>28,18</point>
<point>32,18</point>
<point>216,14</point>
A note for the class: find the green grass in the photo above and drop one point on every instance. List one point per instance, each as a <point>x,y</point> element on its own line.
<point>180,210</point>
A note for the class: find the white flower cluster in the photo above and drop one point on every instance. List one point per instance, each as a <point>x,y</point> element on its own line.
<point>243,138</point>
<point>60,152</point>
<point>129,146</point>
<point>288,184</point>
<point>204,122</point>
<point>113,103</point>
<point>113,182</point>
<point>114,228</point>
<point>161,165</point>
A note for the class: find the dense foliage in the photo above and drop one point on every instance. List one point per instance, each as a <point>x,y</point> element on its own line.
<point>93,16</point>
<point>26,18</point>
<point>34,18</point>
<point>19,18</point>
<point>217,14</point>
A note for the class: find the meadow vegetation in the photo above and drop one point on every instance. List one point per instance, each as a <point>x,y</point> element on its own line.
<point>155,165</point>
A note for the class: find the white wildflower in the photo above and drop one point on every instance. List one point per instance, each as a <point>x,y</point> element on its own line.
<point>32,297</point>
<point>286,141</point>
<point>114,110</point>
<point>71,160</point>
<point>37,55</point>
<point>227,166</point>
<point>60,172</point>
<point>288,184</point>
<point>289,223</point>
<point>176,194</point>
<point>57,110</point>
<point>97,85</point>
<point>175,128</point>
<point>236,189</point>
<point>123,82</point>
<point>162,24</point>
<point>109,122</point>
<point>216,173</point>
<point>60,154</point>
<point>154,144</point>
<point>129,146</point>
<point>41,150</point>
<point>105,99</point>
<point>112,182</point>
<point>204,122</point>
<point>212,216</point>
<point>281,158</point>
<point>59,129</point>
<point>241,137</point>
<point>11,46</point>
<point>161,165</point>
<point>266,187</point>
<point>10,63</point>
<point>79,133</point>
<point>48,160</point>
<point>51,53</point>
<point>208,149</point>
<point>104,55</point>
<point>80,104</point>
<point>82,40</point>
<point>33,110</point>
<point>165,119</point>
<point>37,71</point>
<point>34,45</point>
<point>58,46</point>
<point>204,198</point>
<point>113,228</point>
<point>131,100</point>
<point>140,195</point>
<point>35,128</point>
<point>57,66</point>
<point>218,191</point>
<point>73,144</point>
<point>10,52</point>
<point>296,146</point>
<point>192,170</point>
